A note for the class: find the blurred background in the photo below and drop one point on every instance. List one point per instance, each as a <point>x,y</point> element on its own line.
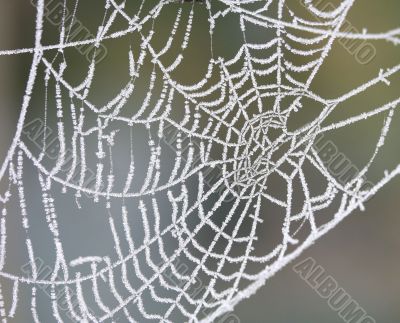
<point>361,253</point>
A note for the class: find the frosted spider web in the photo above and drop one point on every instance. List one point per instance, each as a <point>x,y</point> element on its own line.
<point>234,119</point>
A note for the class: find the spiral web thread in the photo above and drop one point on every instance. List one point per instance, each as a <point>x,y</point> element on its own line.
<point>247,153</point>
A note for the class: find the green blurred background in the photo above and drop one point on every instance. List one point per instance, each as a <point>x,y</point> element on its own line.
<point>362,253</point>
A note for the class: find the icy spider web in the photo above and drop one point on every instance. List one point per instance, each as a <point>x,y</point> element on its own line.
<point>234,119</point>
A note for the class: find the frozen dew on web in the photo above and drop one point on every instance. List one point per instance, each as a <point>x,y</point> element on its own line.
<point>174,136</point>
